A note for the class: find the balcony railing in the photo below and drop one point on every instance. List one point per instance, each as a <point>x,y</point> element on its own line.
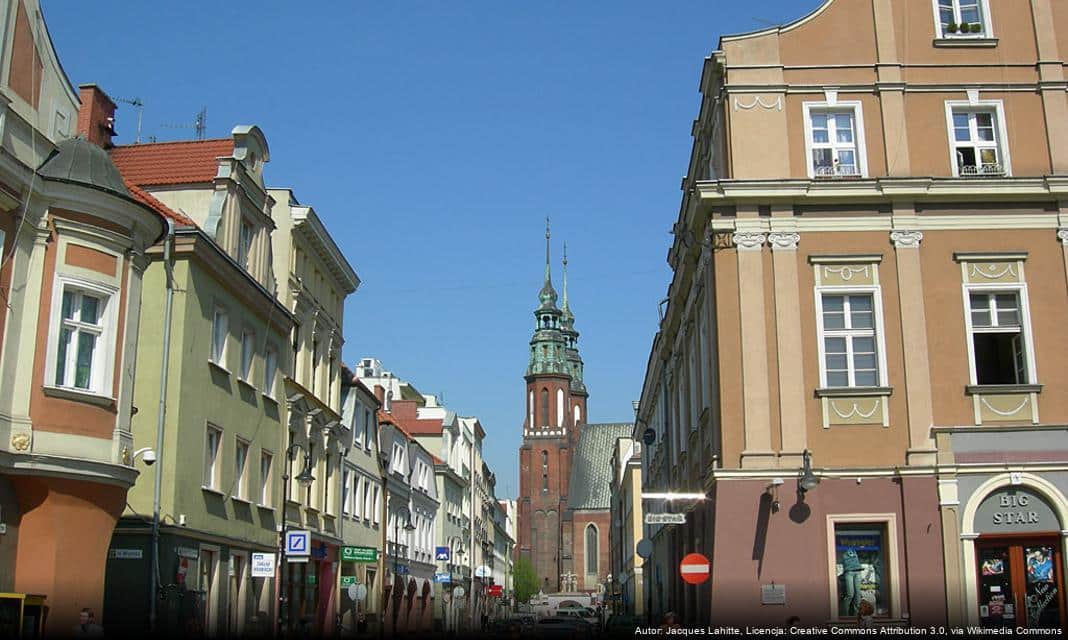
<point>837,171</point>
<point>992,169</point>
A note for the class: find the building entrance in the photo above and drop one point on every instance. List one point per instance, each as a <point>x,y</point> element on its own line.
<point>1021,583</point>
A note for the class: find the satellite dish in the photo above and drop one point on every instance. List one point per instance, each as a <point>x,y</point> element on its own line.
<point>649,436</point>
<point>645,548</point>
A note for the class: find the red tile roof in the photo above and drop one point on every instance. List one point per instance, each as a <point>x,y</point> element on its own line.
<point>423,427</point>
<point>146,198</point>
<point>160,163</point>
<point>386,418</point>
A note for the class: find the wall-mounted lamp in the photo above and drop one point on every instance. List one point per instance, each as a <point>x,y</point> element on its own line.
<point>808,480</point>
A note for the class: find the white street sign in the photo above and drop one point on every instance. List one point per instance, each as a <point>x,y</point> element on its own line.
<point>665,518</point>
<point>263,565</point>
<point>126,554</point>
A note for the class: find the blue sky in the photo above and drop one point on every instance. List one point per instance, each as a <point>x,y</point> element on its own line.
<point>433,138</point>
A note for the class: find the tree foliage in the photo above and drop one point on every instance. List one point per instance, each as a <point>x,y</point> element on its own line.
<point>526,580</point>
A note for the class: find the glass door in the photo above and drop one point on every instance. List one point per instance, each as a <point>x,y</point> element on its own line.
<point>1020,583</point>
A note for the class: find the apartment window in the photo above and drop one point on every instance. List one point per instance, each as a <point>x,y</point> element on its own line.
<point>368,426</point>
<point>265,478</point>
<point>998,336</point>
<point>849,326</point>
<point>328,490</point>
<point>211,457</point>
<point>356,497</point>
<point>82,329</point>
<point>834,137</point>
<point>270,370</point>
<point>368,501</point>
<point>248,349</point>
<point>398,457</point>
<point>244,243</point>
<point>963,18</point>
<point>977,140</point>
<point>240,469</point>
<point>314,386</point>
<point>346,493</point>
<point>861,565</point>
<point>220,327</point>
<point>377,506</point>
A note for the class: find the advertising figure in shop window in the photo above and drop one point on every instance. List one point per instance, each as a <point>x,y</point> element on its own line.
<point>852,572</point>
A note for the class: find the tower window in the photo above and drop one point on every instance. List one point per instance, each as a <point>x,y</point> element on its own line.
<point>544,470</point>
<point>544,406</point>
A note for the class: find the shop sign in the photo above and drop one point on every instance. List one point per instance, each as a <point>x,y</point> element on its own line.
<point>495,591</point>
<point>359,554</point>
<point>1015,510</point>
<point>263,565</point>
<point>348,580</point>
<point>186,552</point>
<point>311,578</point>
<point>442,577</point>
<point>298,543</point>
<point>126,554</point>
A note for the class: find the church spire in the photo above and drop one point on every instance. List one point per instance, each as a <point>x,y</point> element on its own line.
<point>547,296</point>
<point>566,309</point>
<point>548,275</point>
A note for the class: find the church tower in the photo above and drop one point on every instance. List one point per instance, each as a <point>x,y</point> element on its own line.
<point>555,406</point>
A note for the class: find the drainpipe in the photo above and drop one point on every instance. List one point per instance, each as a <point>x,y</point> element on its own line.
<point>161,421</point>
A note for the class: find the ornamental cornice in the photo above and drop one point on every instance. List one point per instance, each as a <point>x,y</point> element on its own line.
<point>748,240</point>
<point>784,240</point>
<point>906,239</point>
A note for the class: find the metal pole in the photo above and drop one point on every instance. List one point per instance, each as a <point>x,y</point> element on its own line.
<point>282,538</point>
<point>160,423</point>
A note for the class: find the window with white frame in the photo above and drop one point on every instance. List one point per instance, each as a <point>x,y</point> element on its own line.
<point>220,328</point>
<point>346,493</point>
<point>81,335</point>
<point>977,140</point>
<point>963,18</point>
<point>212,446</point>
<point>328,490</point>
<point>248,350</point>
<point>377,506</point>
<point>368,501</point>
<point>240,469</point>
<point>850,324</point>
<point>368,426</point>
<point>998,329</point>
<point>270,370</point>
<point>357,496</point>
<point>265,478</point>
<point>834,140</point>
<point>357,427</point>
<point>398,458</point>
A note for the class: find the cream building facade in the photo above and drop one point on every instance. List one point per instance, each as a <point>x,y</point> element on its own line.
<point>872,191</point>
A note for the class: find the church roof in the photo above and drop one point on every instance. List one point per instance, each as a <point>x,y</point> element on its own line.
<point>591,467</point>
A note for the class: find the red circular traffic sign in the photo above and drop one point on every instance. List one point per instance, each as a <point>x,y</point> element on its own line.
<point>695,568</point>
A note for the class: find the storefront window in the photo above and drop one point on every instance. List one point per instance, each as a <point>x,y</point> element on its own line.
<point>860,565</point>
<point>1042,597</point>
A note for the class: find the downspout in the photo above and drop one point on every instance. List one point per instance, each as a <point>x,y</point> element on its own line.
<point>161,420</point>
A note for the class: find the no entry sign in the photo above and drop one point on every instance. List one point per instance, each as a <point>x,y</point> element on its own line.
<point>695,568</point>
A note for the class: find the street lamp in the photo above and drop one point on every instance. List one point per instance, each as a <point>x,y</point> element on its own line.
<point>305,479</point>
<point>808,480</point>
<point>402,514</point>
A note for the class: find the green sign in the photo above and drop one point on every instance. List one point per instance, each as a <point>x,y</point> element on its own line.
<point>311,578</point>
<point>348,580</point>
<point>359,554</point>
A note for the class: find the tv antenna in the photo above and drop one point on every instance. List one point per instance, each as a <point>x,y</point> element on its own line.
<point>198,125</point>
<point>140,106</point>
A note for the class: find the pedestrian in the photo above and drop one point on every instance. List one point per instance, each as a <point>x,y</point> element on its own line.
<point>87,626</point>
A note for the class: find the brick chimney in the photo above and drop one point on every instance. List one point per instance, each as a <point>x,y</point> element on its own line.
<point>380,393</point>
<point>96,117</point>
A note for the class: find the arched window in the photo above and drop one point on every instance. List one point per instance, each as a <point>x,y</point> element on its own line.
<point>560,407</point>
<point>544,470</point>
<point>591,549</point>
<point>578,415</point>
<point>544,407</point>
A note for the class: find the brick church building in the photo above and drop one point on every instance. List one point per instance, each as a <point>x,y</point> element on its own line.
<point>565,462</point>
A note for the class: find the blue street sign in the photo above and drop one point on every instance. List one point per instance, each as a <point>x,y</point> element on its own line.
<point>401,569</point>
<point>319,552</point>
<point>441,553</point>
<point>442,577</point>
<point>298,543</point>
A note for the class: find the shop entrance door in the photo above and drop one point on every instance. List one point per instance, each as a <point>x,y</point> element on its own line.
<point>1020,582</point>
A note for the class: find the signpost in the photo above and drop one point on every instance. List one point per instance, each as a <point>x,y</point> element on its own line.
<point>665,518</point>
<point>263,565</point>
<point>695,568</point>
<point>298,546</point>
<point>359,554</point>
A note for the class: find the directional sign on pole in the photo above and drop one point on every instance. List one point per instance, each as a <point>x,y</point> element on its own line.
<point>695,568</point>
<point>441,553</point>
